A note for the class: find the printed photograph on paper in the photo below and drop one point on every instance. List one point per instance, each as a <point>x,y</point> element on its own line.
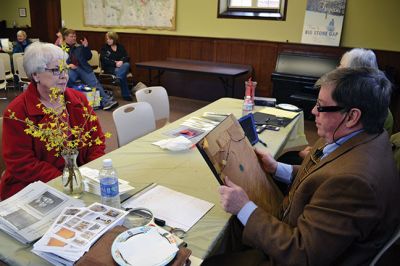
<point>66,233</point>
<point>54,242</point>
<point>45,203</point>
<point>20,219</point>
<point>98,208</point>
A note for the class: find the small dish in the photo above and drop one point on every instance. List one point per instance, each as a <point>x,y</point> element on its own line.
<point>288,107</point>
<point>136,241</point>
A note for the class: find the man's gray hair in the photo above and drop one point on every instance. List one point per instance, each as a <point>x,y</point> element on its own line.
<point>38,55</point>
<point>359,57</point>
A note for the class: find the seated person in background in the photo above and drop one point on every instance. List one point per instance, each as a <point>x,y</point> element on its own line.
<point>27,158</point>
<point>342,205</point>
<point>60,38</point>
<point>21,43</point>
<point>79,67</point>
<point>115,61</point>
<point>357,57</point>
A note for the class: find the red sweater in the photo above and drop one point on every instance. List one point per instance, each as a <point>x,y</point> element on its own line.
<point>26,158</point>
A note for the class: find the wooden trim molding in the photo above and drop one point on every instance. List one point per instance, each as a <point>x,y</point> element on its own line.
<point>261,55</point>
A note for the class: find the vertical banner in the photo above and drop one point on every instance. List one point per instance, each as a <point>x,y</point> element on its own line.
<point>323,22</point>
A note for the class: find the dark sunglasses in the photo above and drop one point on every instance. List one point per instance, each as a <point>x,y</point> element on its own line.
<point>328,109</point>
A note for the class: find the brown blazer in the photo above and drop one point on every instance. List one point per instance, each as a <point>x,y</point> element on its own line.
<point>340,211</point>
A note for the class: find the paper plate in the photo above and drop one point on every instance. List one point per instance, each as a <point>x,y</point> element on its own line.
<point>289,107</point>
<point>145,245</point>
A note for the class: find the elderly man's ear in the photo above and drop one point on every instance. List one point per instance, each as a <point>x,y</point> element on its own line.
<point>353,117</point>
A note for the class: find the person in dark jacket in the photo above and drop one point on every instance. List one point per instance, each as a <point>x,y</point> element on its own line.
<point>115,61</point>
<point>22,42</point>
<point>79,67</point>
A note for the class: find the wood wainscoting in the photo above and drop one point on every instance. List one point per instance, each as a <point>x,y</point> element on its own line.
<point>261,55</point>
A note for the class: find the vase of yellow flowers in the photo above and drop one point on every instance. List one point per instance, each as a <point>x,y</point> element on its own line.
<point>71,178</point>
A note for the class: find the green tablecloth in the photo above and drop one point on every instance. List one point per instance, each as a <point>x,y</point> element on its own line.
<point>141,163</point>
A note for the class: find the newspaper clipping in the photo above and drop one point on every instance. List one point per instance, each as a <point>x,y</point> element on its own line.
<point>26,215</point>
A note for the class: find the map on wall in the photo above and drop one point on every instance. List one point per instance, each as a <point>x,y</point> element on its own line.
<point>158,14</point>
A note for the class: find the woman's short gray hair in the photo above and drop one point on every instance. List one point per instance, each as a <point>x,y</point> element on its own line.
<point>38,55</point>
<point>359,57</point>
<point>21,32</point>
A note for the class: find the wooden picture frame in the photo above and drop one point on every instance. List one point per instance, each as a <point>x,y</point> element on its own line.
<point>22,12</point>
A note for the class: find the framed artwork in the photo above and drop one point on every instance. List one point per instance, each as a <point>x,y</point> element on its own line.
<point>22,12</point>
<point>323,22</point>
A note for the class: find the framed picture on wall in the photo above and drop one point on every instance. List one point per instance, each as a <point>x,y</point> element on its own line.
<point>22,12</point>
<point>323,22</point>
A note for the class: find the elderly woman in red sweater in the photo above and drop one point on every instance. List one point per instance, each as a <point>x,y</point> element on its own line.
<point>27,159</point>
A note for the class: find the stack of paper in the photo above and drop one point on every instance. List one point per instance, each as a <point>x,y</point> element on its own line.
<point>200,123</point>
<point>26,215</point>
<point>92,183</point>
<point>178,210</point>
<point>74,232</point>
<point>215,116</point>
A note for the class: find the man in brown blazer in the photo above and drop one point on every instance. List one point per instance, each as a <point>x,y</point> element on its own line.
<point>342,206</point>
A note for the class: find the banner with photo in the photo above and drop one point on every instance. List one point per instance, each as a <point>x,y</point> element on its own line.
<point>323,22</point>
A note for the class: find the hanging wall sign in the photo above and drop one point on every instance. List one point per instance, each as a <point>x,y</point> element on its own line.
<point>323,22</point>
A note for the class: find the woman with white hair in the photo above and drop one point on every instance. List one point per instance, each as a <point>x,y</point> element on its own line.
<point>359,57</point>
<point>27,158</point>
<point>21,43</point>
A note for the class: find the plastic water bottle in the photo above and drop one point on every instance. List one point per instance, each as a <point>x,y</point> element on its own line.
<point>109,185</point>
<point>248,105</point>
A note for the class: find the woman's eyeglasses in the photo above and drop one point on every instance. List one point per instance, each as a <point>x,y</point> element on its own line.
<point>56,71</point>
<point>328,109</point>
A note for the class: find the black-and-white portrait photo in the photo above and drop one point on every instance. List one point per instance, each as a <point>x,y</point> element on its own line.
<point>45,202</point>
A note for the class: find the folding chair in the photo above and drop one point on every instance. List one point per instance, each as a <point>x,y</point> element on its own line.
<point>94,62</point>
<point>3,82</point>
<point>158,98</point>
<point>14,60</point>
<point>132,121</point>
<point>6,59</point>
<point>23,79</point>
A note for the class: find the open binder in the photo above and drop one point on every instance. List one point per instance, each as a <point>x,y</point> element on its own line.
<point>228,152</point>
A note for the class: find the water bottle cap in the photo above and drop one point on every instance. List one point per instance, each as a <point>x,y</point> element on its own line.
<point>107,162</point>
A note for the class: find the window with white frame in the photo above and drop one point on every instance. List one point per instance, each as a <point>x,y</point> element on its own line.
<point>255,9</point>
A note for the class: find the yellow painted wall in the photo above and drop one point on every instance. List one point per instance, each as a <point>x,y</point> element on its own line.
<point>9,12</point>
<point>368,23</point>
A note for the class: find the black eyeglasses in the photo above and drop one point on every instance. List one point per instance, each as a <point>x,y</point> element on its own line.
<point>328,109</point>
<point>56,71</point>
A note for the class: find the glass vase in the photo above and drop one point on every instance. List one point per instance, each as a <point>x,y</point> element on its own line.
<point>71,178</point>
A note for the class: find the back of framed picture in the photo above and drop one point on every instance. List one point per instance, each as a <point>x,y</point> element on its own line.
<point>228,152</point>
